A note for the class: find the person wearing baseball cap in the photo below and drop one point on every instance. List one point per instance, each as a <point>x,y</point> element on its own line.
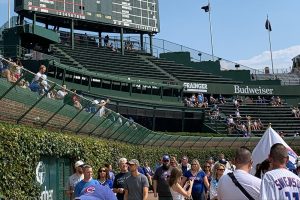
<point>136,186</point>
<point>75,178</point>
<point>160,184</point>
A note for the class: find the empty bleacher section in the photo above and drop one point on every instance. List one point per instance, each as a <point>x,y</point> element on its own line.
<point>104,60</point>
<point>188,74</point>
<point>286,78</point>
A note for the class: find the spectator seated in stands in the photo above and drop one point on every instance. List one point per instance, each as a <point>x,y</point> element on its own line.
<point>205,103</point>
<point>236,103</point>
<point>76,100</point>
<point>17,69</point>
<point>111,46</point>
<point>237,114</point>
<point>281,134</point>
<point>212,100</point>
<point>187,102</point>
<point>215,107</point>
<point>295,112</point>
<point>221,99</point>
<point>102,105</point>
<point>214,114</point>
<point>128,45</point>
<point>239,99</point>
<point>24,84</point>
<point>39,83</point>
<point>278,101</point>
<point>193,99</point>
<point>260,124</point>
<point>106,40</point>
<point>255,126</point>
<point>248,125</point>
<point>5,71</point>
<point>201,101</point>
<point>230,121</point>
<point>241,128</point>
<point>260,100</point>
<point>273,101</point>
<point>61,93</point>
<point>248,100</point>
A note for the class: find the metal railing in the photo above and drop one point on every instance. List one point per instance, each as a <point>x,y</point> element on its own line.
<point>17,51</point>
<point>164,46</point>
<point>39,105</point>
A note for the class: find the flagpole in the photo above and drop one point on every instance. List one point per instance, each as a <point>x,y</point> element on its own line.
<point>270,44</point>
<point>8,13</point>
<point>210,29</point>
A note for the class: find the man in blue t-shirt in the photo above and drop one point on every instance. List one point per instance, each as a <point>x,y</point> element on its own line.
<point>86,182</point>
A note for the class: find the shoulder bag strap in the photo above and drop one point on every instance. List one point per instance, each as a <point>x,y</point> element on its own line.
<point>231,175</point>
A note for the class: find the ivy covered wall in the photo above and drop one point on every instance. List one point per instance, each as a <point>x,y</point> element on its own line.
<point>21,149</point>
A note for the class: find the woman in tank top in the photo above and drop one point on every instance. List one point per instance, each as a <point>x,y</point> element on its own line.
<point>178,192</point>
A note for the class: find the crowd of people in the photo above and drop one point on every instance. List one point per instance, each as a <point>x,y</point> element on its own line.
<point>172,180</point>
<point>201,101</point>
<point>12,70</point>
<point>241,126</point>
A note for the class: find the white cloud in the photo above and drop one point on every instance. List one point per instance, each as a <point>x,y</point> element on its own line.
<point>282,59</point>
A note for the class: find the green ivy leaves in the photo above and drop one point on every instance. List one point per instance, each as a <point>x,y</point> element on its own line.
<point>21,148</point>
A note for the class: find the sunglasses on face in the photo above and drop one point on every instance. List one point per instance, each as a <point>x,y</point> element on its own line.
<point>102,171</point>
<point>221,169</point>
<point>166,161</point>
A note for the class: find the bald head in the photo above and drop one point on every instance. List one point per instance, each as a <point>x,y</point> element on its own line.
<point>243,156</point>
<point>279,153</point>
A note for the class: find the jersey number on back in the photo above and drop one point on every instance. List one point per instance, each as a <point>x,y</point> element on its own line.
<point>292,195</point>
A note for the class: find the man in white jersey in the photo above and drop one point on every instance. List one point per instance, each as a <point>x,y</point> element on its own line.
<point>280,183</point>
<point>227,189</point>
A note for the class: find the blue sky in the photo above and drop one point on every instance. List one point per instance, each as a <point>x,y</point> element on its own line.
<point>238,28</point>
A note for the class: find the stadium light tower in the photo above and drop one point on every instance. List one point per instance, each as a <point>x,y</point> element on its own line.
<point>207,8</point>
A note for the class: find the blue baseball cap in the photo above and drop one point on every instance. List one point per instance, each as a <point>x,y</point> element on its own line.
<point>166,157</point>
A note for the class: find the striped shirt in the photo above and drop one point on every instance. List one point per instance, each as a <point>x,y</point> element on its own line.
<point>280,184</point>
<point>227,190</point>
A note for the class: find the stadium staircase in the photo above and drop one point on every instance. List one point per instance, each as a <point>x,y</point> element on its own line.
<point>215,125</point>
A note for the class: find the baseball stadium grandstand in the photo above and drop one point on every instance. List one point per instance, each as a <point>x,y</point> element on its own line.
<point>119,83</point>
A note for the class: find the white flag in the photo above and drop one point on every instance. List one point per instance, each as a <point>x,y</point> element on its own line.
<point>262,149</point>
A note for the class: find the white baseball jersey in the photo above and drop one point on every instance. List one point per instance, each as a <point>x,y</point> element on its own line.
<point>280,184</point>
